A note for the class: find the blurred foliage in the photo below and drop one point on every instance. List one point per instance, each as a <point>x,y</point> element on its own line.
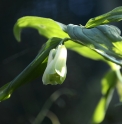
<point>108,84</point>
<point>45,109</point>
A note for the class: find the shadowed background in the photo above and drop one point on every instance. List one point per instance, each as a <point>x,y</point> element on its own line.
<point>83,75</point>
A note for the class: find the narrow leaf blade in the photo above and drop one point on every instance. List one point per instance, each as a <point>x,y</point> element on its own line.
<point>114,15</point>
<point>31,72</point>
<point>108,85</point>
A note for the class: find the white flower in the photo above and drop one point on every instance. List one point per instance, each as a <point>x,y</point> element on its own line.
<point>56,70</point>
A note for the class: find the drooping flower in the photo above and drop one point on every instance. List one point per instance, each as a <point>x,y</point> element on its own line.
<point>56,70</point>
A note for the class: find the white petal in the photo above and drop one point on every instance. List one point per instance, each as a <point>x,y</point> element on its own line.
<point>60,64</point>
<point>51,55</point>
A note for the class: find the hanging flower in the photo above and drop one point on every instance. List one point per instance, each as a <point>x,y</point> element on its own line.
<point>56,70</point>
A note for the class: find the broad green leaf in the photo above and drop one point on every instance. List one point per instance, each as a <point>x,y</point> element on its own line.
<point>112,16</point>
<point>45,26</point>
<point>80,48</point>
<point>108,85</point>
<point>32,71</point>
<point>50,28</point>
<point>103,39</point>
<point>83,50</point>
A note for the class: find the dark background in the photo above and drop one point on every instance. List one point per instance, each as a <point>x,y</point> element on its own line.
<point>83,76</point>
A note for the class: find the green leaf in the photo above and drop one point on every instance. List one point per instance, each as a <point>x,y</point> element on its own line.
<point>103,39</point>
<point>45,26</point>
<point>108,82</point>
<point>108,85</point>
<point>83,50</point>
<point>32,71</point>
<point>50,28</point>
<point>112,16</point>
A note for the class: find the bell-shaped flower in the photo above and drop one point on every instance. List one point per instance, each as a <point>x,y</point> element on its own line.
<point>56,70</point>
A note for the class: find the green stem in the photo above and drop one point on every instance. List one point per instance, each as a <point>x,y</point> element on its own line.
<point>118,73</point>
<point>40,117</point>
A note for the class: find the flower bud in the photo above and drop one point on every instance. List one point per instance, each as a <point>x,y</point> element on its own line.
<point>56,70</point>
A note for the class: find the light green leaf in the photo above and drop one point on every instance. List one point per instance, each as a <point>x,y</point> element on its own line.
<point>50,28</point>
<point>32,71</point>
<point>100,111</point>
<point>119,84</point>
<point>108,82</point>
<point>83,50</point>
<point>45,26</point>
<point>112,16</point>
<point>119,91</point>
<point>103,39</point>
<point>108,85</point>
